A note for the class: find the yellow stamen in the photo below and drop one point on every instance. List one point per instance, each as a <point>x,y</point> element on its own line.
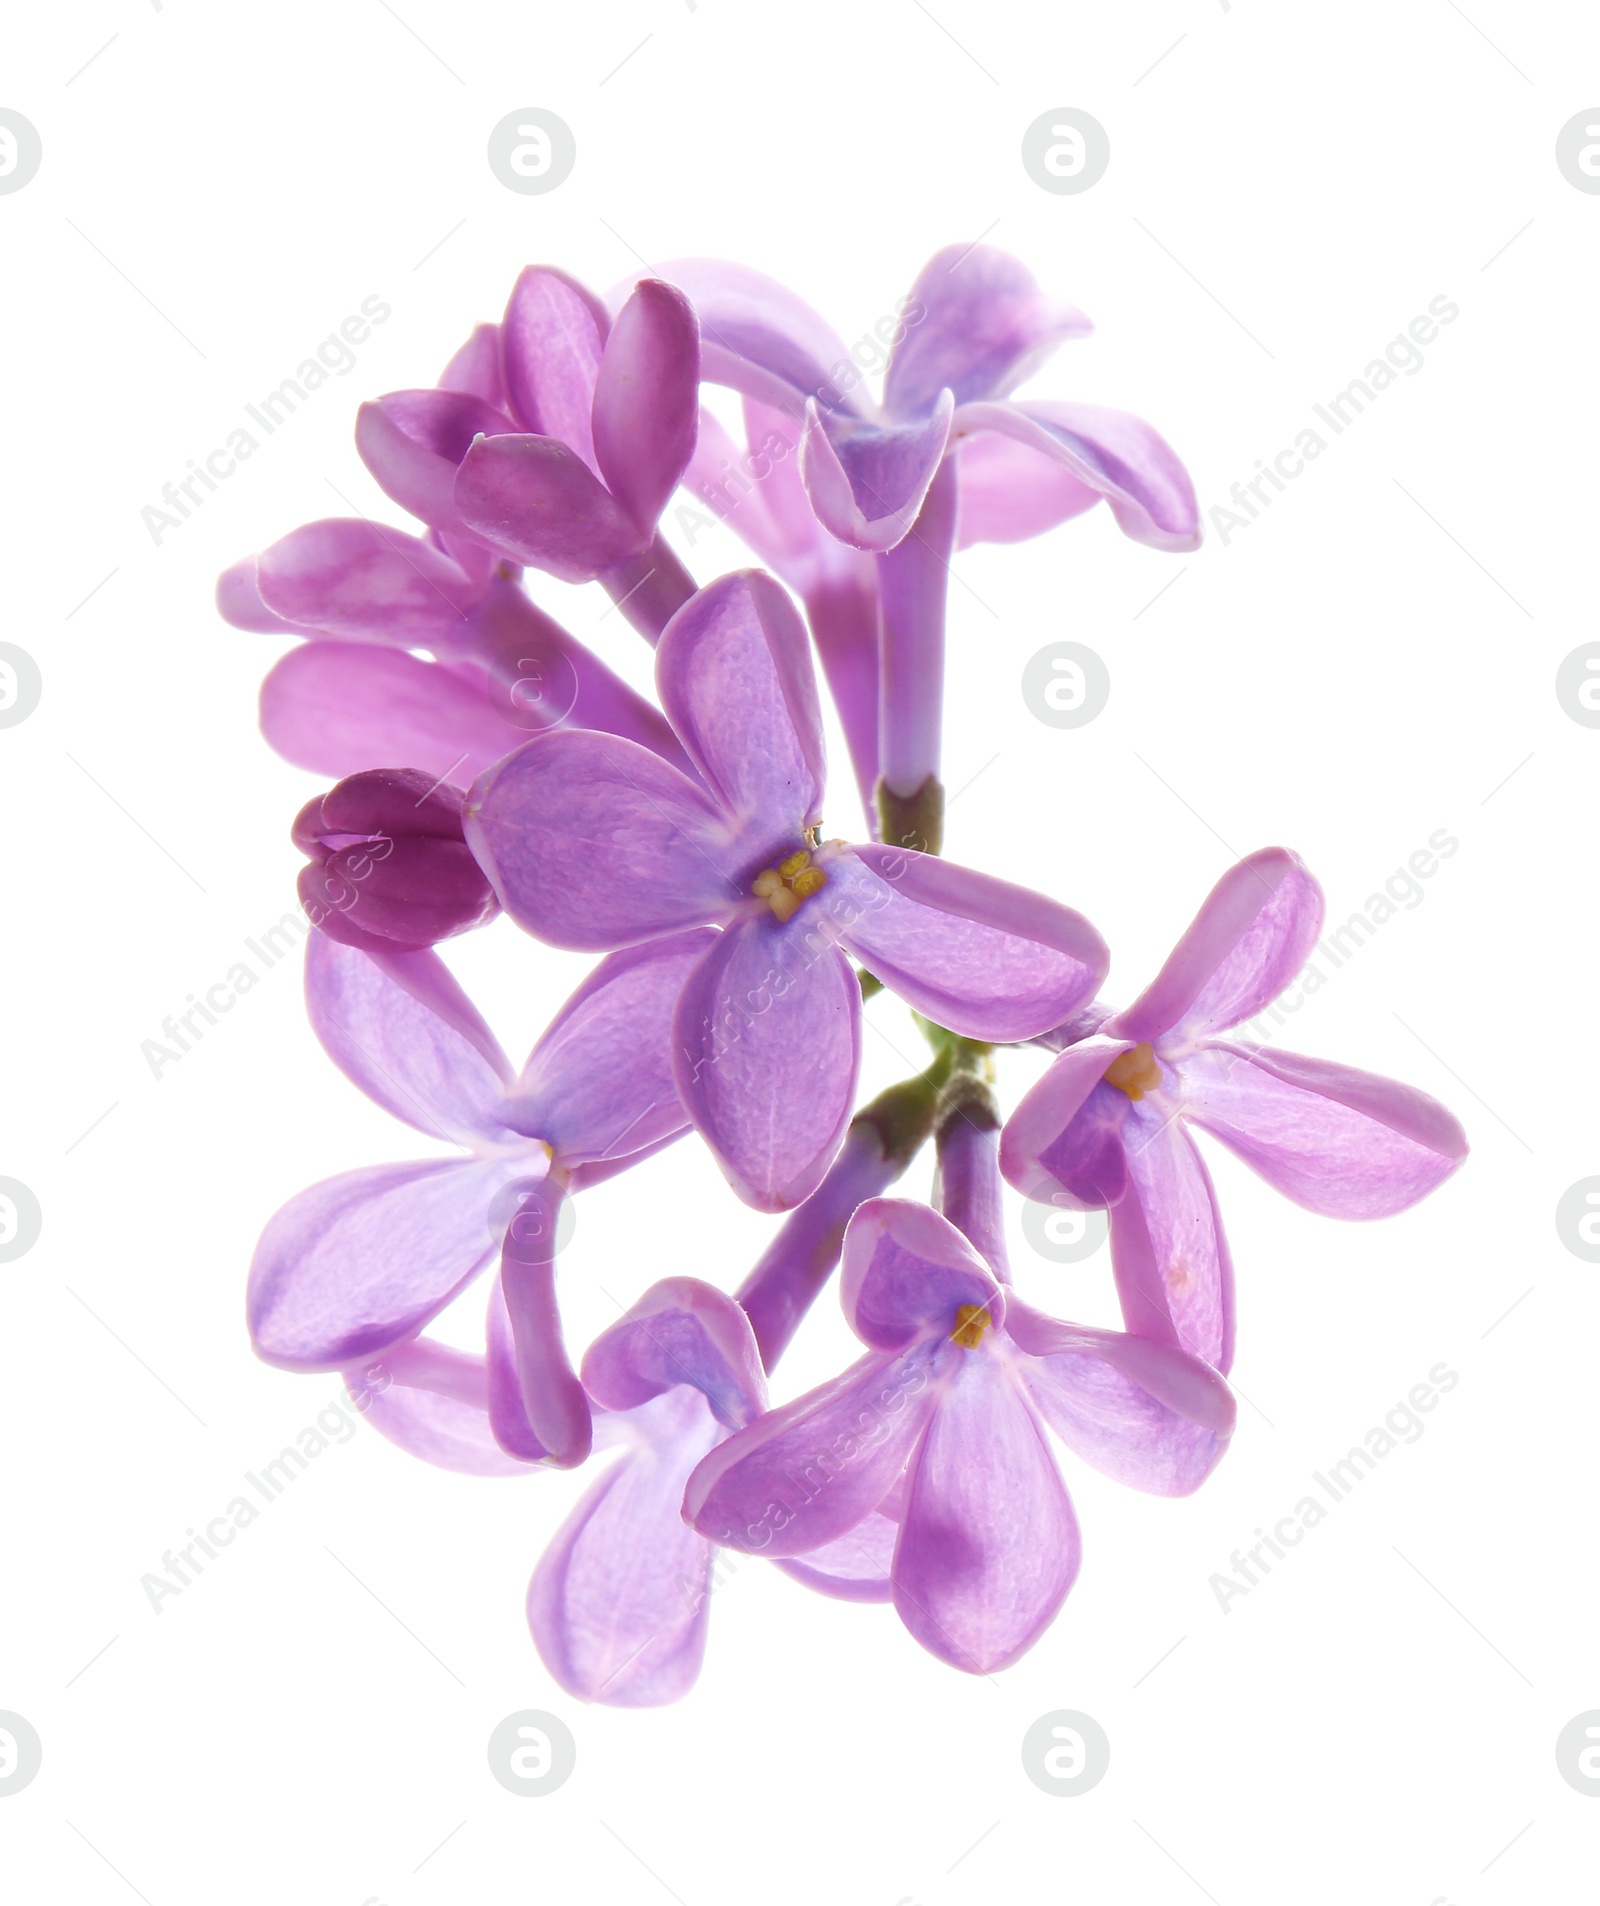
<point>767,882</point>
<point>972,1320</point>
<point>1135,1072</point>
<point>785,903</point>
<point>808,881</point>
<point>795,864</point>
<point>783,887</point>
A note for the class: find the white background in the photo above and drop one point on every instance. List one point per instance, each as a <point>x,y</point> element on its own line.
<point>1368,663</point>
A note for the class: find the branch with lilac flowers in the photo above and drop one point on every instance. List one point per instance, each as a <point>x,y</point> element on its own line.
<point>488,763</point>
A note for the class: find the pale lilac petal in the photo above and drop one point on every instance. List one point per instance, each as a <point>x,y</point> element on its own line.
<point>340,707</point>
<point>1344,1143</point>
<point>1063,1143</point>
<point>361,1261</point>
<point>475,368</point>
<point>734,674</point>
<point>536,498</point>
<point>599,1084</point>
<point>432,1401</point>
<point>853,1568</point>
<point>1144,1413</point>
<point>988,1543</point>
<point>364,582</point>
<point>1109,451</point>
<point>619,1601</point>
<point>647,398</point>
<point>761,339</point>
<point>1253,933</point>
<point>439,1071</point>
<point>978,955</point>
<point>413,440</point>
<point>1170,1254</point>
<point>805,1474</point>
<point>976,323</point>
<point>867,481</point>
<point>767,1042</point>
<point>907,1271</point>
<point>509,1426</point>
<point>553,1399</point>
<point>680,1331</point>
<point>594,843</point>
<point>1011,492</point>
<point>550,343</point>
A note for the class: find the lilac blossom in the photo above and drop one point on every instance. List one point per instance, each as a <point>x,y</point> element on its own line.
<point>592,843</point>
<point>1108,1123</point>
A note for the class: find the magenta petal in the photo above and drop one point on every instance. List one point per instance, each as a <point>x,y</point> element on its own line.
<point>978,955</point>
<point>442,1073</point>
<point>1253,933</point>
<point>552,1397</point>
<point>341,707</point>
<point>412,442</point>
<point>1168,1247</point>
<point>537,499</point>
<point>599,1084</point>
<point>1011,492</point>
<point>907,1271</point>
<point>988,1542</point>
<point>432,1402</point>
<point>767,1042</point>
<point>594,843</point>
<point>804,1475</point>
<point>647,399</point>
<point>360,1261</point>
<point>1109,451</point>
<point>363,581</point>
<point>475,368</point>
<point>867,481</point>
<point>550,341</point>
<point>239,602</point>
<point>855,1567</point>
<point>1344,1143</point>
<point>734,673</point>
<point>1063,1143</point>
<point>976,323</point>
<point>619,1601</point>
<point>680,1331</point>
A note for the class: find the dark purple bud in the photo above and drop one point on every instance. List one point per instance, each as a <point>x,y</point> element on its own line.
<point>390,867</point>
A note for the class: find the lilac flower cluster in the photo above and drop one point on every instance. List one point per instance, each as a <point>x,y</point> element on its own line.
<point>681,839</point>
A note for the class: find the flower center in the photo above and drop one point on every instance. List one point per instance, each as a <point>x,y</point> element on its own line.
<point>1135,1072</point>
<point>783,887</point>
<point>972,1320</point>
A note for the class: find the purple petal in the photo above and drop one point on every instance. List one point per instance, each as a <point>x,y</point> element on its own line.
<point>988,1544</point>
<point>365,582</point>
<point>804,1475</point>
<point>594,843</point>
<point>360,1261</point>
<point>977,324</point>
<point>340,707</point>
<point>439,1071</point>
<point>433,1402</point>
<point>475,368</point>
<point>509,1427</point>
<point>975,954</point>
<point>1168,1248</point>
<point>413,440</point>
<point>1063,1143</point>
<point>1251,936</point>
<point>550,342</point>
<point>619,1601</point>
<point>553,1399</point>
<point>767,1042</point>
<point>734,674</point>
<point>239,602</point>
<point>647,399</point>
<point>1011,492</point>
<point>867,481</point>
<point>537,499</point>
<point>1109,451</point>
<point>680,1331</point>
<point>907,1271</point>
<point>599,1084</point>
<point>761,339</point>
<point>855,1567</point>
<point>1344,1143</point>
